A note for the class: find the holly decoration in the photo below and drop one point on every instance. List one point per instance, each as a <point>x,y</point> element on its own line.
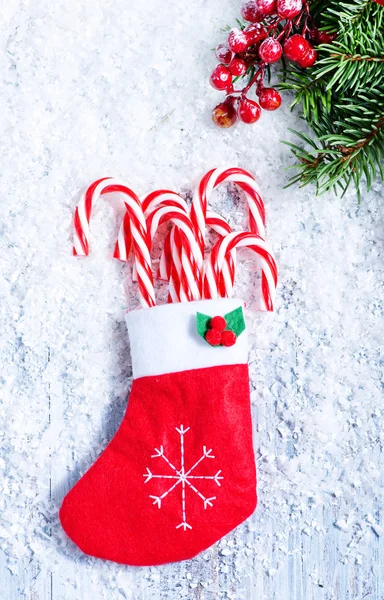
<point>221,331</point>
<point>332,60</point>
<point>278,27</point>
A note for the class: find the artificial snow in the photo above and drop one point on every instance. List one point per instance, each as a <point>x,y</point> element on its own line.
<point>91,89</point>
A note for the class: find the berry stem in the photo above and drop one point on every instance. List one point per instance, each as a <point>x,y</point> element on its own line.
<point>273,26</point>
<point>259,74</point>
<point>276,28</point>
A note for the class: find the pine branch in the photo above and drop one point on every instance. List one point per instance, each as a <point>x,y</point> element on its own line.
<point>355,60</point>
<point>337,13</point>
<point>311,92</point>
<point>342,100</point>
<point>352,151</point>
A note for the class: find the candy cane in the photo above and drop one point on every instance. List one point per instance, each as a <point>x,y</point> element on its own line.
<point>82,217</point>
<point>124,241</point>
<point>184,249</point>
<point>218,224</point>
<point>138,231</point>
<point>149,203</point>
<point>173,262</point>
<point>199,215</point>
<point>167,261</point>
<point>241,178</point>
<point>164,198</point>
<point>256,209</point>
<point>266,262</point>
<point>178,290</point>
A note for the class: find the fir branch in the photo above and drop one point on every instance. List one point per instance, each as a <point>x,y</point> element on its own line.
<point>333,13</point>
<point>355,60</point>
<point>311,92</point>
<point>342,100</point>
<point>352,151</point>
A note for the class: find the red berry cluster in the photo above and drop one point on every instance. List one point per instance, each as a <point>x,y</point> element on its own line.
<point>218,335</point>
<point>249,50</point>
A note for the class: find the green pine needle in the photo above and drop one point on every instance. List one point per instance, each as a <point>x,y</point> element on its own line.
<point>342,99</point>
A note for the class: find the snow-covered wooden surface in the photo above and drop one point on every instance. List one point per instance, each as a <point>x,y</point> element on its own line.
<point>94,88</point>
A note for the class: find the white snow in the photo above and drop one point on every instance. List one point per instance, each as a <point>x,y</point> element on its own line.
<point>90,89</point>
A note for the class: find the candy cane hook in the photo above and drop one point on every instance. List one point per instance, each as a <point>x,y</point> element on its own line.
<point>138,231</point>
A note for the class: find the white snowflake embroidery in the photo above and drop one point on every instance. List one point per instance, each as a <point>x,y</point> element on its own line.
<point>183,477</point>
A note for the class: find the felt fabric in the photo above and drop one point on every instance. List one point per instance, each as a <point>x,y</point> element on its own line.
<point>164,339</point>
<point>195,423</point>
<point>232,321</point>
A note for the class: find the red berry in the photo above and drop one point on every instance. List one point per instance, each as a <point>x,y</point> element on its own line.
<point>249,111</point>
<point>224,115</point>
<point>221,78</point>
<point>255,33</point>
<point>269,99</point>
<point>228,338</point>
<point>323,37</point>
<point>266,7</point>
<point>213,337</point>
<point>313,34</point>
<point>287,9</point>
<point>296,47</point>
<point>237,40</point>
<point>250,13</point>
<point>218,323</point>
<point>237,67</point>
<point>309,59</point>
<point>223,54</point>
<point>270,50</point>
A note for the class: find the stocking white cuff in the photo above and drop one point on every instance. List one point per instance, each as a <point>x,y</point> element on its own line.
<point>164,338</point>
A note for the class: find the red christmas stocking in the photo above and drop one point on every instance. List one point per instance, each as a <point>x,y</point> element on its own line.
<point>180,472</point>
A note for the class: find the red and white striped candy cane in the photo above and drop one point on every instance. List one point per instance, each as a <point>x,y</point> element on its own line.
<point>265,258</point>
<point>184,250</point>
<point>220,225</point>
<point>256,210</point>
<point>164,198</point>
<point>173,262</point>
<point>167,261</point>
<point>138,231</point>
<point>245,181</point>
<point>82,217</point>
<point>124,242</point>
<point>178,286</point>
<point>213,220</point>
<point>217,223</point>
<point>149,203</point>
<point>168,198</point>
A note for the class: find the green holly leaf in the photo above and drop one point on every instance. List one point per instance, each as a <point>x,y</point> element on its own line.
<point>202,322</point>
<point>235,321</point>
